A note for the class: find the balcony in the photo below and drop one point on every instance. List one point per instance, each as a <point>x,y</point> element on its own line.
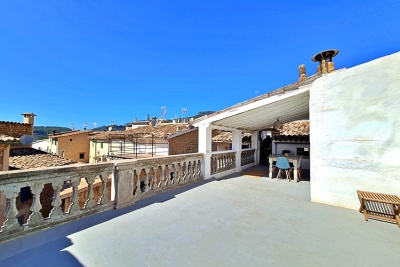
<point>167,215</point>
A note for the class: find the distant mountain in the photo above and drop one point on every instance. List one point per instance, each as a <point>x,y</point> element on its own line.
<point>105,128</point>
<point>203,113</point>
<point>42,132</point>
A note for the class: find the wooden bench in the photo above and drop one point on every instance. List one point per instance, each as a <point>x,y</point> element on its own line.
<point>380,206</point>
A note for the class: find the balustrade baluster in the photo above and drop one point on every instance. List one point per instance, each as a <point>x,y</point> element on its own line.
<point>146,180</point>
<point>162,175</point>
<point>178,172</point>
<point>36,217</point>
<point>138,190</point>
<point>173,180</point>
<point>199,173</point>
<point>184,171</point>
<point>104,190</point>
<point>89,204</point>
<point>167,175</point>
<point>11,224</point>
<point>190,170</point>
<point>153,182</point>
<point>74,198</point>
<point>56,213</point>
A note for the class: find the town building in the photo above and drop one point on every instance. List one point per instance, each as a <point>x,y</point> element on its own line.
<point>140,142</point>
<point>72,145</point>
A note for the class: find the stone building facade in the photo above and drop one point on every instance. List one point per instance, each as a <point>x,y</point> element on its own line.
<point>188,142</point>
<point>15,129</point>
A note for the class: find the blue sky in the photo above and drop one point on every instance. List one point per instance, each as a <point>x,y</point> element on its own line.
<point>97,61</point>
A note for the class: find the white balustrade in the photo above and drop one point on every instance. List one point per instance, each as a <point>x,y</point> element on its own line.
<point>247,156</point>
<point>223,161</point>
<point>86,188</point>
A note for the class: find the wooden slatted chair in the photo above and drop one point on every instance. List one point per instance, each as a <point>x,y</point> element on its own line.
<point>379,206</point>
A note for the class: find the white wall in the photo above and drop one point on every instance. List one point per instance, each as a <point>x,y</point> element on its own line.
<point>42,145</point>
<point>355,132</point>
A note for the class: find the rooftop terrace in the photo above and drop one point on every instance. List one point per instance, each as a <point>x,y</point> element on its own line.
<point>234,221</point>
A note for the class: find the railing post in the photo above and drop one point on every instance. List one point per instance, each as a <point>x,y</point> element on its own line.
<point>205,147</point>
<point>11,224</point>
<point>124,175</point>
<point>237,147</point>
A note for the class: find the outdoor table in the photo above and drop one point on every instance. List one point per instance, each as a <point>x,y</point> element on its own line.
<point>292,159</point>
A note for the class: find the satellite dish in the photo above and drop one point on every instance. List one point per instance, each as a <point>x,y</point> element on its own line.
<point>153,122</point>
<point>26,140</point>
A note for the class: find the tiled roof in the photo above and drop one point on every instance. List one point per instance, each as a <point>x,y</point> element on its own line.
<point>227,137</point>
<point>162,131</point>
<point>7,138</point>
<point>29,158</point>
<point>69,133</point>
<point>11,122</point>
<point>296,128</point>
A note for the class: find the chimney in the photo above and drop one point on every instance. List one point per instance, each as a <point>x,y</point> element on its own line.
<point>29,117</point>
<point>325,60</point>
<point>302,73</point>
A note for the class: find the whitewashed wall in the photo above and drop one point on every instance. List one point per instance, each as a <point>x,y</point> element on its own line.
<point>355,132</point>
<point>41,145</point>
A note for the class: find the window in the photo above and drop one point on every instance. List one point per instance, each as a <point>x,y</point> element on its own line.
<point>101,145</point>
<point>303,151</point>
<point>81,155</point>
<point>70,140</point>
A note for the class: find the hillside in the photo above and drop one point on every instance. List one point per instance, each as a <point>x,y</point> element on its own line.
<point>42,132</point>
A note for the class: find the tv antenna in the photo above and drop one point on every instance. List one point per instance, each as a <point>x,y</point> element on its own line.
<point>184,110</point>
<point>112,122</point>
<point>85,125</point>
<point>94,124</point>
<point>73,126</point>
<point>163,112</point>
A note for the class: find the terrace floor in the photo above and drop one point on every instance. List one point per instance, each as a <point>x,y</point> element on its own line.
<point>235,221</point>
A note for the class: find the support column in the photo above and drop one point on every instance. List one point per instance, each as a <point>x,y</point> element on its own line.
<point>237,146</point>
<point>205,147</point>
<point>255,143</point>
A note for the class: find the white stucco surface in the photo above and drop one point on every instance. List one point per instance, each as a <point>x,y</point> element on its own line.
<point>355,132</point>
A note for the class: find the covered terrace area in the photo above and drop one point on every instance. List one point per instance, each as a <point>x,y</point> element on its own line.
<point>232,221</point>
<point>257,115</point>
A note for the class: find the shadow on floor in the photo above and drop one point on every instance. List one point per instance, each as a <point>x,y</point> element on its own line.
<point>30,250</point>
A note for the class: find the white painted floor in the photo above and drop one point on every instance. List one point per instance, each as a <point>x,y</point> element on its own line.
<point>239,221</point>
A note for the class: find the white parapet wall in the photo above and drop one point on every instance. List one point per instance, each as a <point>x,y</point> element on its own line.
<point>355,132</point>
